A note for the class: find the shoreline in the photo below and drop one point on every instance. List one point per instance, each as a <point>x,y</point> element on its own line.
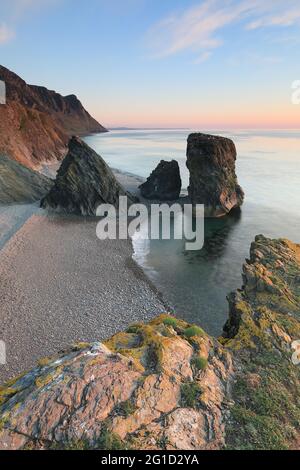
<point>61,285</point>
<point>14,216</point>
<point>81,289</point>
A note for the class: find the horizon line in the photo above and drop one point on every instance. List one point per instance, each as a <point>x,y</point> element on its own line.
<point>127,128</point>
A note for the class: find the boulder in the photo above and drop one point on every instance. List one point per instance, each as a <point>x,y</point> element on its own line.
<point>83,182</point>
<point>213,181</point>
<point>164,183</point>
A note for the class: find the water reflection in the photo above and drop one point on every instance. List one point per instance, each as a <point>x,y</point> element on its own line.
<point>196,283</point>
<point>216,235</point>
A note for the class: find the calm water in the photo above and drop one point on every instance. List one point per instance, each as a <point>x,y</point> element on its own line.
<point>196,283</point>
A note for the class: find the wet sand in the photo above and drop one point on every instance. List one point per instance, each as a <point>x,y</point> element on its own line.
<point>59,284</point>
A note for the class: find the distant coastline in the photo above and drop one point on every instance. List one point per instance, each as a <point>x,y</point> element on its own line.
<point>148,128</point>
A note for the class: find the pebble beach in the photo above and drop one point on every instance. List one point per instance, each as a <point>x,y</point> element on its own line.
<point>60,285</point>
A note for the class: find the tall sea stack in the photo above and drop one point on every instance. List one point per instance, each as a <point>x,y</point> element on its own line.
<point>213,181</point>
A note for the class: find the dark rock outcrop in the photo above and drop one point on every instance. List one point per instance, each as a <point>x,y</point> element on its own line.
<point>168,384</point>
<point>213,181</point>
<point>19,184</point>
<point>36,123</point>
<point>164,183</point>
<point>83,182</point>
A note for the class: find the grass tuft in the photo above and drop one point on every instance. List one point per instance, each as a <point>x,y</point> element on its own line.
<point>199,363</point>
<point>193,331</point>
<point>171,321</point>
<point>190,394</point>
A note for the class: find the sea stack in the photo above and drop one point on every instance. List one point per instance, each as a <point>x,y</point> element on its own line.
<point>213,181</point>
<point>83,182</point>
<point>164,183</point>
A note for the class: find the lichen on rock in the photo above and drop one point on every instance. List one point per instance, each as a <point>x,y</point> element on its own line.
<point>168,385</point>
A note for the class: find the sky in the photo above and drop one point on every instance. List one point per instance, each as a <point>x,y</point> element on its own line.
<point>161,63</point>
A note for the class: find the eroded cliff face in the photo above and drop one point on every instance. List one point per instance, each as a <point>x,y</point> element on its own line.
<point>168,385</point>
<point>19,184</point>
<point>36,123</point>
<point>264,321</point>
<point>213,181</point>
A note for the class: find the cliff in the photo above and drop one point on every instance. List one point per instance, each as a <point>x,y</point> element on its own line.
<point>168,385</point>
<point>36,123</point>
<point>19,184</point>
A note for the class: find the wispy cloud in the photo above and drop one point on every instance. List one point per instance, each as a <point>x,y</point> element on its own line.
<point>203,57</point>
<point>16,10</point>
<point>285,17</point>
<point>6,34</point>
<point>199,28</point>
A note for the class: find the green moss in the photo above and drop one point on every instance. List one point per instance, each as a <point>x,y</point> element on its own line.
<point>193,331</point>
<point>4,419</point>
<point>180,324</point>
<point>6,393</point>
<point>126,408</point>
<point>106,441</point>
<point>110,441</point>
<point>267,412</point>
<point>190,394</point>
<point>124,341</point>
<point>133,328</point>
<point>251,332</point>
<point>81,444</point>
<point>44,362</point>
<point>171,321</point>
<point>254,431</point>
<point>44,380</point>
<point>12,382</point>
<point>80,346</point>
<point>199,362</point>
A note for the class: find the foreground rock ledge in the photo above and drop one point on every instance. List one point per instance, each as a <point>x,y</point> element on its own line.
<point>168,385</point>
<point>213,181</point>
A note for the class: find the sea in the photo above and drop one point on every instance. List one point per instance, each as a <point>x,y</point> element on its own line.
<point>195,283</point>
